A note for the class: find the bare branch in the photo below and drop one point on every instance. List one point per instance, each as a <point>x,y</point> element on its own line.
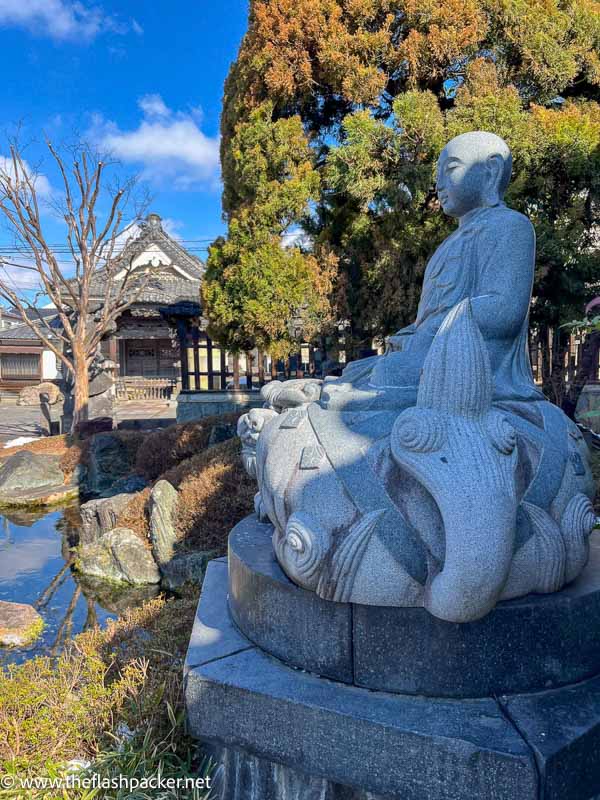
<point>92,240</point>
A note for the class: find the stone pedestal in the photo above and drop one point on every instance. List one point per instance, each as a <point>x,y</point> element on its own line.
<point>303,698</point>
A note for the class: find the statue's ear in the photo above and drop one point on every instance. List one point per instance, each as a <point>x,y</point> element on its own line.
<point>495,167</point>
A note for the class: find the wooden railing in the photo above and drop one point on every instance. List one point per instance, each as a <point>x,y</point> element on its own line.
<point>134,388</point>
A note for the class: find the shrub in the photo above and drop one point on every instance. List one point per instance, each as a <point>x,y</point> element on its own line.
<point>131,673</point>
<point>215,493</point>
<point>166,448</point>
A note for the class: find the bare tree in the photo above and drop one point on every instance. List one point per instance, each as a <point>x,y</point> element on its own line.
<point>94,241</point>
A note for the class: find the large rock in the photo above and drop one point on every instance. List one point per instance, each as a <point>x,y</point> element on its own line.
<point>127,485</point>
<point>163,510</point>
<point>185,568</point>
<point>26,471</point>
<point>108,461</point>
<point>20,624</point>
<point>119,555</point>
<point>30,395</point>
<point>100,516</point>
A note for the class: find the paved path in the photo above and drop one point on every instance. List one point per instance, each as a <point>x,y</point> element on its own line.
<point>17,421</point>
<point>139,409</point>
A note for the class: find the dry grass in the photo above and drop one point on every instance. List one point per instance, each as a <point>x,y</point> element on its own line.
<point>166,448</point>
<point>74,451</point>
<point>134,516</point>
<point>215,493</point>
<point>47,445</point>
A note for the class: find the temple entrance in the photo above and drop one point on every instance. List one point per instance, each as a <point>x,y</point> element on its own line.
<point>151,358</point>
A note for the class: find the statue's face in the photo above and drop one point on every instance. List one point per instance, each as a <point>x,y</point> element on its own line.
<point>462,180</point>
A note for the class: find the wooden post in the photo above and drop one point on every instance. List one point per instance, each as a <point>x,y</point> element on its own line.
<point>223,369</point>
<point>195,340</point>
<point>113,354</point>
<point>209,364</point>
<point>249,361</point>
<point>236,370</point>
<point>182,337</point>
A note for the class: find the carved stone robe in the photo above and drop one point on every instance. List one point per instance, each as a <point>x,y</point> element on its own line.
<point>490,259</point>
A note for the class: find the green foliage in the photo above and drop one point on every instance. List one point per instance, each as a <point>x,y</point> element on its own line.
<point>257,292</point>
<point>374,88</point>
<point>75,707</point>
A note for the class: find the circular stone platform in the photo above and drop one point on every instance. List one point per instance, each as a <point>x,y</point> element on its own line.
<point>533,643</point>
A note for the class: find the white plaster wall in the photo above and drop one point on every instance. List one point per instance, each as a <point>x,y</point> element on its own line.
<point>49,368</point>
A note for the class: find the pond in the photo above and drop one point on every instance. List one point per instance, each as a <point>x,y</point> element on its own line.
<point>36,568</point>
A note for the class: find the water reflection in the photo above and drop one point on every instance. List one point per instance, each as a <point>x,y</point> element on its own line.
<point>36,567</point>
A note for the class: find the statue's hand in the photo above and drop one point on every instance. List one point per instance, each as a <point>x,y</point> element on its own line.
<point>399,340</point>
<point>290,394</point>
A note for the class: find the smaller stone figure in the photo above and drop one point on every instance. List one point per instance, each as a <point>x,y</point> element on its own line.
<point>436,475</point>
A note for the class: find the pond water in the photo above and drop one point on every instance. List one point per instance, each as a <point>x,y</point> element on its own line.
<point>36,568</point>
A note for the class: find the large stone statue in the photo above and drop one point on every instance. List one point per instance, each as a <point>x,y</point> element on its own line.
<point>436,475</point>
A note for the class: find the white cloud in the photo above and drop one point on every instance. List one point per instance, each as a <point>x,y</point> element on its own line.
<point>41,182</point>
<point>61,19</point>
<point>297,238</point>
<point>153,106</point>
<point>172,227</point>
<point>170,146</point>
<point>19,279</point>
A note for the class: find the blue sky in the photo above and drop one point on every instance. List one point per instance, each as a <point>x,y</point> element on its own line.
<point>144,79</point>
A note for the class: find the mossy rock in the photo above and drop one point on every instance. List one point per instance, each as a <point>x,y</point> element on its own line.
<point>20,624</point>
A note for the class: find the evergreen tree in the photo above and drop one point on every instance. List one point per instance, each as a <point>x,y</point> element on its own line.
<point>334,114</point>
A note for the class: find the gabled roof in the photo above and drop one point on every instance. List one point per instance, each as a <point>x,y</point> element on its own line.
<point>152,233</point>
<point>173,282</point>
<point>25,332</point>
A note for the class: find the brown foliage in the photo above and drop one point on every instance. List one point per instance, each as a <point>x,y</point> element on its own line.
<point>164,449</point>
<point>134,516</point>
<point>47,445</point>
<point>214,494</point>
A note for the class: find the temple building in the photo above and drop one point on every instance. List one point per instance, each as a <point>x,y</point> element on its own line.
<point>159,347</point>
<point>161,338</point>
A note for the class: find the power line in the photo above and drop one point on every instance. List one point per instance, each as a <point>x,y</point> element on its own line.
<point>191,244</point>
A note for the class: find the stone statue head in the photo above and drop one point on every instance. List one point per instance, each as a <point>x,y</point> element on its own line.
<point>473,171</point>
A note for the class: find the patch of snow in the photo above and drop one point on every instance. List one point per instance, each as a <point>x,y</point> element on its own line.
<point>20,440</point>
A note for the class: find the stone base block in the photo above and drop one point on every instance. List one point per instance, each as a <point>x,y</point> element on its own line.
<point>197,405</point>
<point>534,643</point>
<point>286,734</point>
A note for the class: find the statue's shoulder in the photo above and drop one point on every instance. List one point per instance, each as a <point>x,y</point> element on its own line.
<point>504,219</point>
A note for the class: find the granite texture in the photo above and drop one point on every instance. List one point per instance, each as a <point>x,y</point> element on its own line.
<point>214,634</point>
<point>434,476</point>
<point>119,555</point>
<point>197,405</point>
<point>282,734</point>
<point>242,776</point>
<point>286,621</point>
<point>163,511</point>
<point>531,643</point>
<point>100,516</point>
<point>562,727</point>
<point>394,746</point>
